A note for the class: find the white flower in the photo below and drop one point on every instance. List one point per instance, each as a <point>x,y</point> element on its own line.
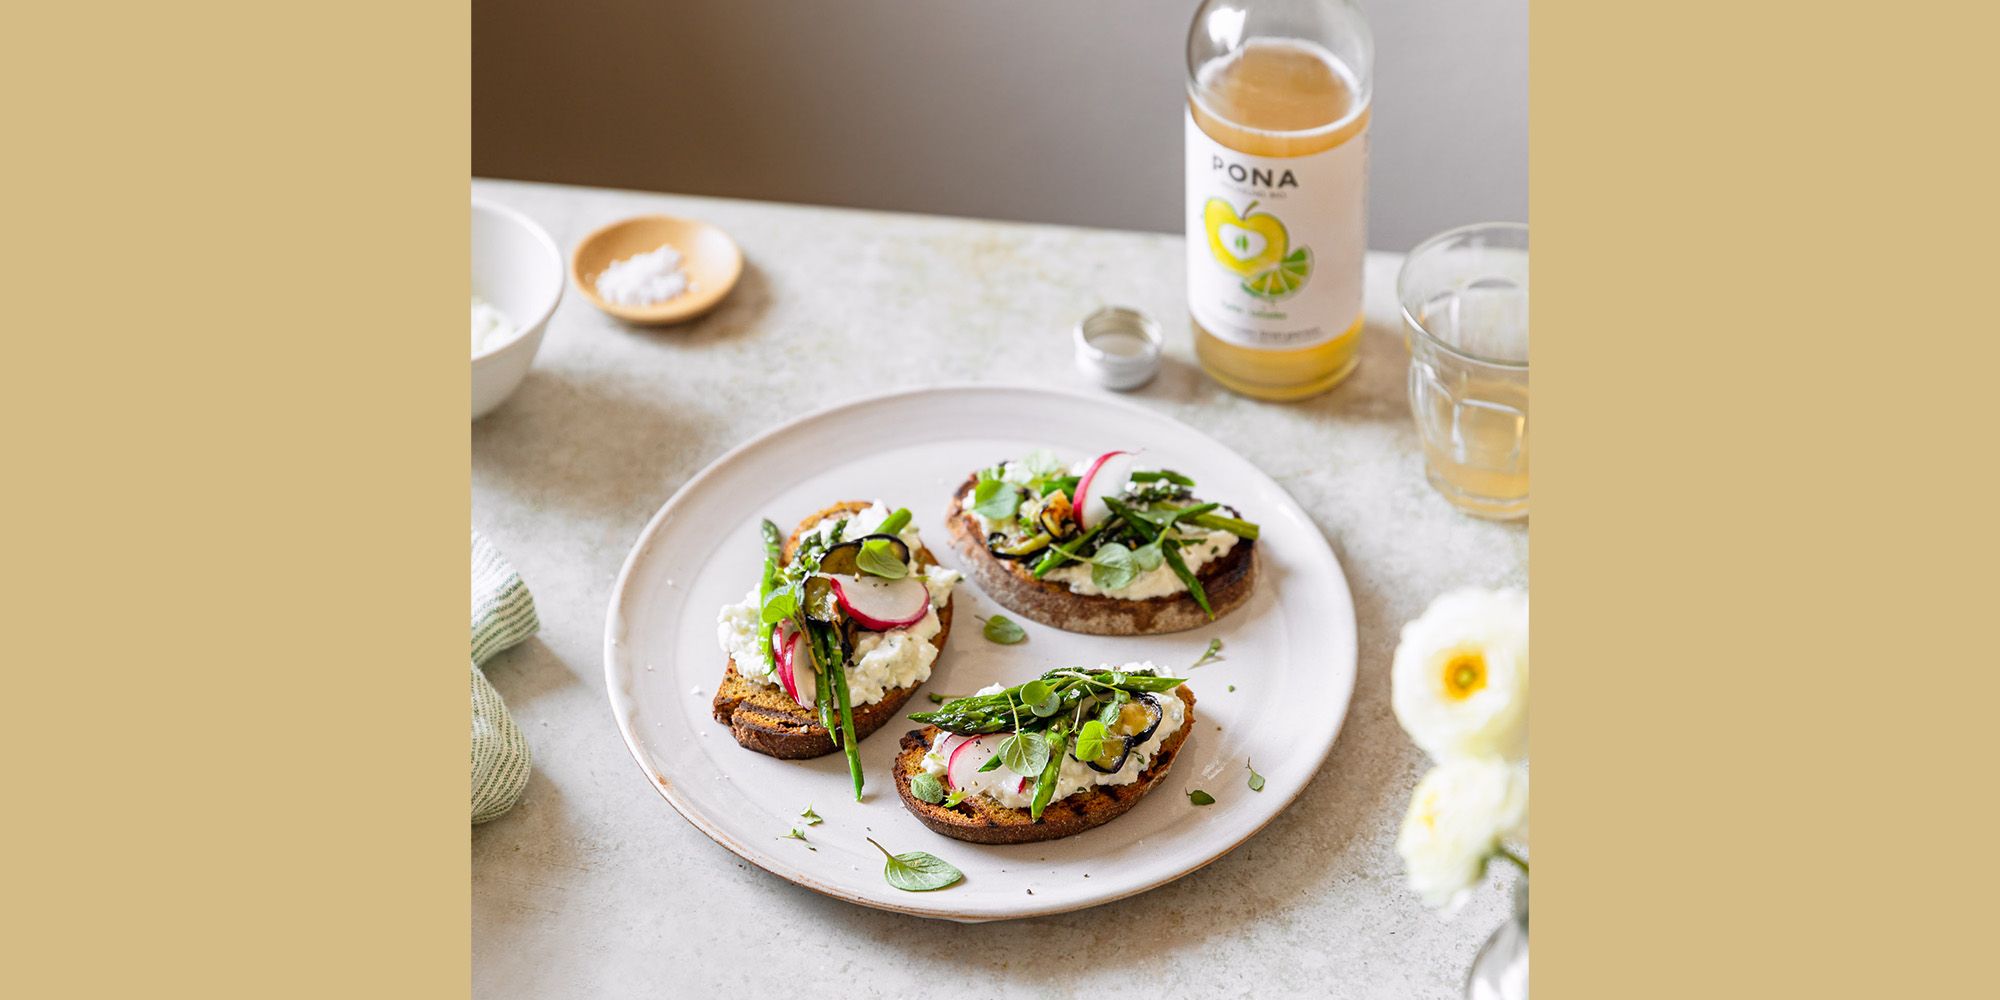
<point>1458,817</point>
<point>1460,679</point>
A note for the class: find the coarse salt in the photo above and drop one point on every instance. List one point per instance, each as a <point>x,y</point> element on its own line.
<point>644,279</point>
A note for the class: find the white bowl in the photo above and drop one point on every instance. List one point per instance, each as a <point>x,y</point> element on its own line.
<point>517,268</point>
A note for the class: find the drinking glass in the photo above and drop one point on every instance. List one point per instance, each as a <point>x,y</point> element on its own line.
<point>1465,306</point>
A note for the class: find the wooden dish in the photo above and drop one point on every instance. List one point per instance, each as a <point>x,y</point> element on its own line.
<point>709,257</point>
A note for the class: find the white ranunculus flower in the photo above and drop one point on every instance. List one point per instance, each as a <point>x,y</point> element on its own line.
<point>1458,817</point>
<point>1460,679</point>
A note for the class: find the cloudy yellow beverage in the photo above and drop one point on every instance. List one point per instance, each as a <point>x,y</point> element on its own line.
<point>1277,142</point>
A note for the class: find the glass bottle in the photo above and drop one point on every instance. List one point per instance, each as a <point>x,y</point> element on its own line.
<point>1277,164</point>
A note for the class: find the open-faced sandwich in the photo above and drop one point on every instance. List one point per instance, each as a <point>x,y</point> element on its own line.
<point>1102,546</point>
<point>843,625</point>
<point>1073,749</point>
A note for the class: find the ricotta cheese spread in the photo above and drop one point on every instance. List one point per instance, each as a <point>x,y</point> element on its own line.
<point>1007,788</point>
<point>880,661</point>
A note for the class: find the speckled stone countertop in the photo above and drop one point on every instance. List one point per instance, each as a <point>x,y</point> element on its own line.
<point>594,887</point>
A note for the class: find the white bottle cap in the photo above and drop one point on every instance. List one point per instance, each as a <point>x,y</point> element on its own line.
<point>1118,347</point>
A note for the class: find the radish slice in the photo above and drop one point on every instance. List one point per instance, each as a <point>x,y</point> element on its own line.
<point>880,604</point>
<point>795,672</point>
<point>967,757</point>
<point>964,759</point>
<point>1106,476</point>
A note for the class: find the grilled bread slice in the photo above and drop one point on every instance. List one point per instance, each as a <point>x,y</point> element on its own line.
<point>982,821</point>
<point>765,719</point>
<point>1227,582</point>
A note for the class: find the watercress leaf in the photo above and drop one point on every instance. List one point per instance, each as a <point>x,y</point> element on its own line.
<point>778,606</point>
<point>1025,754</point>
<point>918,871</point>
<point>1212,654</point>
<point>811,818</point>
<point>924,785</point>
<point>996,500</point>
<point>1112,568</point>
<point>1040,699</point>
<point>1200,798</point>
<point>1148,557</point>
<point>878,558</point>
<point>1107,715</point>
<point>1090,740</point>
<point>1003,630</point>
<point>1256,780</point>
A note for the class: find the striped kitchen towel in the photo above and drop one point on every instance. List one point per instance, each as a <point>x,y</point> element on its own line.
<point>503,614</point>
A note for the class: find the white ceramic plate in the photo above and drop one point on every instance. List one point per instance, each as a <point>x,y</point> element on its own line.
<point>1289,652</point>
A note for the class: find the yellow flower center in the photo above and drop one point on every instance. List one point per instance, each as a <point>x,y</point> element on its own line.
<point>1464,674</point>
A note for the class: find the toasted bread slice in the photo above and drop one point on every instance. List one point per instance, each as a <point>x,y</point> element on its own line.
<point>1227,582</point>
<point>982,821</point>
<point>765,719</point>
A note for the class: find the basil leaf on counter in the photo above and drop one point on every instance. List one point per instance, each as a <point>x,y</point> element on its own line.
<point>1256,780</point>
<point>917,871</point>
<point>1003,630</point>
<point>1201,798</point>
<point>924,785</point>
<point>876,558</point>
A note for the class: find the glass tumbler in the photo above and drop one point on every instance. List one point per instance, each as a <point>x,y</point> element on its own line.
<point>1464,294</point>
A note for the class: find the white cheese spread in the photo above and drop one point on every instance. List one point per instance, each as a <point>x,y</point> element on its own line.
<point>881,661</point>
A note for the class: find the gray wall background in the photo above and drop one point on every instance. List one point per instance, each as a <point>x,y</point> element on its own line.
<point>1065,111</point>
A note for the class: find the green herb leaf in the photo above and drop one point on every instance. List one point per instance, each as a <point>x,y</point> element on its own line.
<point>1201,798</point>
<point>1213,654</point>
<point>917,871</point>
<point>1148,557</point>
<point>1256,780</point>
<point>1113,568</point>
<point>996,499</point>
<point>796,835</point>
<point>1025,754</point>
<point>1003,630</point>
<point>811,818</point>
<point>1040,699</point>
<point>924,785</point>
<point>1090,740</point>
<point>778,606</point>
<point>877,558</point>
<point>992,764</point>
<point>952,800</point>
<point>1042,462</point>
<point>1232,687</point>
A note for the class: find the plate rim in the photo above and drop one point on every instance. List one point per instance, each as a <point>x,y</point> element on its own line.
<point>613,673</point>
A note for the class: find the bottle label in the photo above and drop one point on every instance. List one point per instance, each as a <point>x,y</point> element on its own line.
<point>1275,244</point>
